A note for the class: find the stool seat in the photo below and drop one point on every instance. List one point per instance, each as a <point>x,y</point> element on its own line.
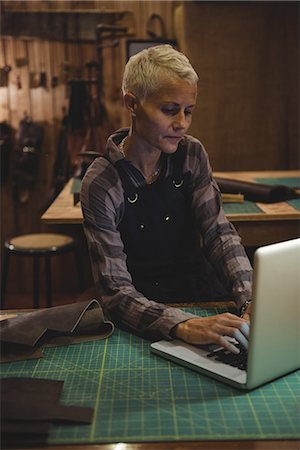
<point>39,245</point>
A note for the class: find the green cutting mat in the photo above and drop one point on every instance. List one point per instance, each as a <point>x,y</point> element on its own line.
<point>293,182</point>
<point>76,185</point>
<point>295,203</point>
<point>138,396</point>
<point>246,207</point>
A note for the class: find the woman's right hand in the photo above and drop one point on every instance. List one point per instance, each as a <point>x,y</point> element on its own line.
<point>214,329</point>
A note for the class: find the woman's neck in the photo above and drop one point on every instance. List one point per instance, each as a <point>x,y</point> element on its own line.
<point>145,159</point>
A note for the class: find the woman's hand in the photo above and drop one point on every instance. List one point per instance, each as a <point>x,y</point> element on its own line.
<point>213,329</point>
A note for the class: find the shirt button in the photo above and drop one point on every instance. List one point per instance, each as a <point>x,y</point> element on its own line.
<point>167,218</point>
<point>142,226</point>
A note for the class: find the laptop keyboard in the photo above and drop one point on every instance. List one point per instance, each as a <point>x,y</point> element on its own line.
<point>223,355</point>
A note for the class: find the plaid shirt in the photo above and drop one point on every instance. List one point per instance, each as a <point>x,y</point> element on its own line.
<point>102,202</point>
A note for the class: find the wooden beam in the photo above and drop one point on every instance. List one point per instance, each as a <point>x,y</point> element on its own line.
<point>55,25</point>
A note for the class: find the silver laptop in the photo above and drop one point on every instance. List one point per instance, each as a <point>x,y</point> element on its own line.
<point>274,342</point>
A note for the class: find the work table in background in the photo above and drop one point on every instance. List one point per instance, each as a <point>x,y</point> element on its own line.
<point>257,223</point>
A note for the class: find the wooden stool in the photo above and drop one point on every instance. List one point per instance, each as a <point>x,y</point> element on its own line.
<point>36,245</point>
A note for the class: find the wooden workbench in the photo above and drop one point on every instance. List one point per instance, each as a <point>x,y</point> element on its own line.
<point>278,222</point>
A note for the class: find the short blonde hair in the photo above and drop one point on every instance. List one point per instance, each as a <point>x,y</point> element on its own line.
<point>144,71</point>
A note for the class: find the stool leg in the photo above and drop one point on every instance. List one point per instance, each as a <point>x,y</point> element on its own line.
<point>36,271</point>
<point>5,264</point>
<point>81,282</point>
<point>48,281</point>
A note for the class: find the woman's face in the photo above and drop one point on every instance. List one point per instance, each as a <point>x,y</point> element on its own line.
<point>162,119</point>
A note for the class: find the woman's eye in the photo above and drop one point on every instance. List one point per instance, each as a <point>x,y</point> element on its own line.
<point>169,111</point>
<point>188,112</point>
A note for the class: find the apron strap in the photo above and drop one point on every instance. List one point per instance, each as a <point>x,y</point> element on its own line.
<point>130,191</point>
<point>177,160</point>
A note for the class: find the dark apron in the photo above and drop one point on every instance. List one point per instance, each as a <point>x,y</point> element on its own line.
<point>160,240</point>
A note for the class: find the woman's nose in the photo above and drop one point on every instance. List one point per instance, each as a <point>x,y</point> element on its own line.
<point>180,121</point>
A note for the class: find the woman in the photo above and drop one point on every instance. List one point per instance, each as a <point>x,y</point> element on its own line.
<point>147,203</point>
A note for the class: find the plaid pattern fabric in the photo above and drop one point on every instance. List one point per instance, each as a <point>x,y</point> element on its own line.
<point>102,202</point>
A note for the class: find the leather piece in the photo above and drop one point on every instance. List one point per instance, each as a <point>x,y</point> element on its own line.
<point>59,325</point>
<point>29,406</point>
<point>28,427</point>
<point>15,388</point>
<point>21,440</point>
<point>16,433</point>
<point>257,192</point>
<point>34,411</point>
<point>15,352</point>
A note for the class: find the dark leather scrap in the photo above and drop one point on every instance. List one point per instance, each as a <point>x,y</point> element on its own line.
<point>28,408</point>
<point>54,412</point>
<point>17,434</point>
<point>27,427</point>
<point>16,352</point>
<point>22,441</point>
<point>59,325</point>
<point>15,388</point>
<point>257,192</point>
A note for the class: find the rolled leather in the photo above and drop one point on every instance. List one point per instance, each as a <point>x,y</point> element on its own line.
<point>257,192</point>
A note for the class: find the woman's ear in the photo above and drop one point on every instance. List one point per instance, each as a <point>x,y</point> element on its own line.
<point>130,102</point>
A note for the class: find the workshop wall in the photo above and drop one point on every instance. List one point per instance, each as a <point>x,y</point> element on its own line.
<point>247,58</point>
<point>44,47</point>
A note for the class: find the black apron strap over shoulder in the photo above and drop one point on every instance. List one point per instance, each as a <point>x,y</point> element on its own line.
<point>130,192</point>
<point>178,159</point>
